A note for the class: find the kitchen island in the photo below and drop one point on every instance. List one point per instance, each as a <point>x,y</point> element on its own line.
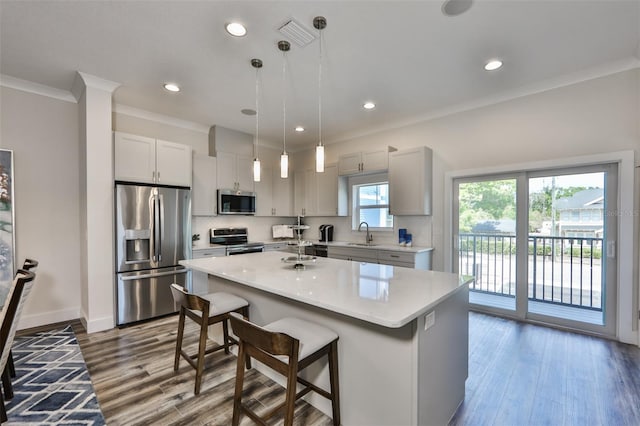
<point>403,348</point>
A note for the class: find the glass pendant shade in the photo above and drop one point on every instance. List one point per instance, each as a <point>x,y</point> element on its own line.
<point>284,165</point>
<point>319,158</point>
<point>256,170</point>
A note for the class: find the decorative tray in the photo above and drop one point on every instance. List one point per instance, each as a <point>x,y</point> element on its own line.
<point>300,243</point>
<point>298,259</point>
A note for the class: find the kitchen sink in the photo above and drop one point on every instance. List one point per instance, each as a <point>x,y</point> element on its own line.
<point>361,244</point>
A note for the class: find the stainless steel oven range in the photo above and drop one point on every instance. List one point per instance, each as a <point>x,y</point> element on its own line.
<point>236,240</point>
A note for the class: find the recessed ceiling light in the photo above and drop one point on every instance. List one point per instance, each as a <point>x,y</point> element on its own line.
<point>299,129</point>
<point>369,105</point>
<point>248,111</point>
<point>172,87</point>
<point>236,29</point>
<point>493,64</point>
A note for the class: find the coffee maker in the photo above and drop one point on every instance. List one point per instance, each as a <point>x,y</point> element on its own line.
<point>326,233</point>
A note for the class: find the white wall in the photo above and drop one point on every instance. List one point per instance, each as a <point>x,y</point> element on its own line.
<point>197,139</point>
<point>596,116</point>
<point>44,136</point>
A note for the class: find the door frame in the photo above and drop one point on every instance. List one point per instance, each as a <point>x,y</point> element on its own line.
<point>628,292</point>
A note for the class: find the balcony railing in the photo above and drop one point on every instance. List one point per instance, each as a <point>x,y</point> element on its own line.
<point>561,270</point>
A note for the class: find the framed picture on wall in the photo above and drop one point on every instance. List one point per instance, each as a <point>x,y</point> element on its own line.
<point>7,216</point>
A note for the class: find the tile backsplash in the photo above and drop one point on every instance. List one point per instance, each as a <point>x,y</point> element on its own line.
<point>259,228</point>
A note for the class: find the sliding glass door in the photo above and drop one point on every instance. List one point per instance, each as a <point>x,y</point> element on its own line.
<point>540,245</point>
<point>487,239</point>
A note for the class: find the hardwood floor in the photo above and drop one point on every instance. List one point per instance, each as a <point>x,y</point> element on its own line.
<point>519,374</point>
<point>132,373</point>
<point>523,374</point>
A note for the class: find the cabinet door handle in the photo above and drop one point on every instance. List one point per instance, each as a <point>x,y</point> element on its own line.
<point>394,255</point>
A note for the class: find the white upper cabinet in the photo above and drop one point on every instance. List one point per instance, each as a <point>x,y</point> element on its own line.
<point>134,158</point>
<point>274,194</point>
<point>282,194</point>
<point>235,171</point>
<point>363,162</point>
<point>173,163</point>
<point>410,178</point>
<point>204,196</point>
<point>299,196</point>
<point>264,193</point>
<point>327,191</point>
<point>148,160</point>
<point>306,193</point>
<point>320,194</point>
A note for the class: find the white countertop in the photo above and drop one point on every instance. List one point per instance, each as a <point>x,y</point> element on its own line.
<point>350,244</point>
<point>392,247</point>
<point>381,294</point>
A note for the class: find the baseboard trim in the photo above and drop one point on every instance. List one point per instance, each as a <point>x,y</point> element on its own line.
<point>46,318</point>
<point>98,324</point>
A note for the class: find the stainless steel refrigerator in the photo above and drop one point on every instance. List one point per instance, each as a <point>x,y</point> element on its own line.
<point>153,233</point>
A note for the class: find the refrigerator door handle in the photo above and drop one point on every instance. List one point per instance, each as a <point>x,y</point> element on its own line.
<point>156,228</point>
<point>153,275</point>
<point>152,222</point>
<point>161,227</point>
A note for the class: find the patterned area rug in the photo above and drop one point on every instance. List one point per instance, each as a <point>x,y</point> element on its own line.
<point>52,386</point>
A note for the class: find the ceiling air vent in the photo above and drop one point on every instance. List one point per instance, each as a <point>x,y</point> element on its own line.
<point>295,32</point>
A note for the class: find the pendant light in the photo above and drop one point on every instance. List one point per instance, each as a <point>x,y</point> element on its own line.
<point>284,46</point>
<point>319,22</point>
<point>257,64</point>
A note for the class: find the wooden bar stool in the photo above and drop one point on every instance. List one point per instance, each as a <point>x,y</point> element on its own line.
<point>288,346</point>
<point>205,310</point>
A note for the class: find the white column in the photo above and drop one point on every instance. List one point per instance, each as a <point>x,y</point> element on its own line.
<point>96,201</point>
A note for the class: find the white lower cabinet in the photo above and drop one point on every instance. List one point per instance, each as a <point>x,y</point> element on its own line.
<point>355,254</point>
<point>200,280</point>
<point>417,260</point>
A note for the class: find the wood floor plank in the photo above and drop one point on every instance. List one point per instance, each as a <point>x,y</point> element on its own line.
<point>519,374</point>
<point>550,377</point>
<point>132,372</point>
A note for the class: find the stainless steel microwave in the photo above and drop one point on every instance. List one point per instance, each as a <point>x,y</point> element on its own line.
<point>236,202</point>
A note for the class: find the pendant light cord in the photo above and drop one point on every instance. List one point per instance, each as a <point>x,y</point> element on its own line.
<point>320,94</point>
<point>284,103</point>
<point>255,145</point>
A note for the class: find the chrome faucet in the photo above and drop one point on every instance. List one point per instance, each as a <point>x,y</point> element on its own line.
<point>368,237</point>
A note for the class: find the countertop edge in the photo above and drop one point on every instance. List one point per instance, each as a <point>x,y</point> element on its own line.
<point>376,321</point>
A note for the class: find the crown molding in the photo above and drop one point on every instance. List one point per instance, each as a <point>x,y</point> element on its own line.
<point>540,87</point>
<point>36,88</point>
<point>83,80</point>
<point>160,118</point>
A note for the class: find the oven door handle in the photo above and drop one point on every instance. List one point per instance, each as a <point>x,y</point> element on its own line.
<point>245,250</point>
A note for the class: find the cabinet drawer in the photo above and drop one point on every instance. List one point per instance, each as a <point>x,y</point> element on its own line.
<point>276,247</point>
<point>396,258</point>
<point>214,252</point>
<point>355,253</point>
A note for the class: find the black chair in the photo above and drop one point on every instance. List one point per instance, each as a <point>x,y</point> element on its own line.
<point>28,265</point>
<point>18,292</point>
